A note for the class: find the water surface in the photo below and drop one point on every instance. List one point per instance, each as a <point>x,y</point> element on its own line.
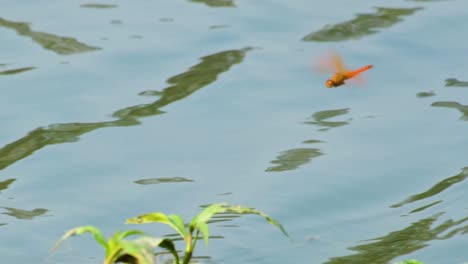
<point>112,110</point>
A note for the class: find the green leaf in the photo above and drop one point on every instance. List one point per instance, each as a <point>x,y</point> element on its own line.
<point>167,244</point>
<point>409,261</point>
<point>146,245</point>
<point>173,221</point>
<point>207,213</point>
<point>178,224</point>
<point>203,227</point>
<point>246,210</point>
<point>140,251</point>
<point>129,233</point>
<point>82,230</point>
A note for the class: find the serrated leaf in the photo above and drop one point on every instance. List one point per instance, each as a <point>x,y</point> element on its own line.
<point>82,230</point>
<point>173,221</point>
<point>204,230</point>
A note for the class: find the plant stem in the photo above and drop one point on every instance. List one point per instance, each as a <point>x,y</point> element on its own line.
<point>190,245</point>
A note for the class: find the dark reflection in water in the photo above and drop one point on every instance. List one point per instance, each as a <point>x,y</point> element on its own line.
<point>318,118</point>
<point>294,158</point>
<point>425,94</point>
<point>98,6</point>
<point>312,141</point>
<point>161,180</point>
<point>216,3</point>
<point>437,188</point>
<point>218,26</point>
<point>186,83</point>
<point>182,85</point>
<point>455,105</point>
<point>57,44</point>
<point>166,19</point>
<point>383,250</point>
<point>4,184</point>
<point>116,22</point>
<point>428,0</point>
<point>53,134</point>
<point>361,26</point>
<point>15,71</point>
<point>24,214</point>
<point>422,208</point>
<point>452,82</point>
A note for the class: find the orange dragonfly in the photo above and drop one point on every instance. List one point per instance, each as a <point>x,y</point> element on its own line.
<point>333,63</point>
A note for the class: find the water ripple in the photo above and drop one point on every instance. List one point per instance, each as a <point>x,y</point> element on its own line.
<point>455,105</point>
<point>162,180</point>
<point>216,3</point>
<point>361,26</point>
<point>417,235</point>
<point>24,214</point>
<point>182,85</point>
<point>452,82</point>
<point>437,188</point>
<point>293,159</point>
<point>319,118</point>
<point>58,44</point>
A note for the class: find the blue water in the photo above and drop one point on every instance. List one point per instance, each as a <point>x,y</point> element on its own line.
<point>115,110</point>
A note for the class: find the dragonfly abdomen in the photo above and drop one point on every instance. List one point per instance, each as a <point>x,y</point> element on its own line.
<point>351,74</point>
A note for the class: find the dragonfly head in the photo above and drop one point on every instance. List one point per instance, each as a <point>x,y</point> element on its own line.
<point>330,84</point>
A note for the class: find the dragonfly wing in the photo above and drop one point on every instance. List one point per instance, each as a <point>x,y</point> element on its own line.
<point>331,62</point>
<point>325,65</point>
<point>337,61</point>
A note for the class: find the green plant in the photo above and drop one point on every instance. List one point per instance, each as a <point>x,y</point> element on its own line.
<point>198,225</point>
<point>409,261</point>
<point>118,249</point>
<point>141,250</point>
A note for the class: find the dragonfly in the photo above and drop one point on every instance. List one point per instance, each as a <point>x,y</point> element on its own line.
<point>333,63</point>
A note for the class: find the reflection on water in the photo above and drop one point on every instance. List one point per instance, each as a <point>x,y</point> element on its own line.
<point>182,85</point>
<point>53,134</point>
<point>452,82</point>
<point>116,22</point>
<point>294,158</point>
<point>312,141</point>
<point>218,26</point>
<point>57,44</point>
<point>24,214</point>
<point>161,180</point>
<point>4,184</point>
<point>15,71</point>
<point>98,6</point>
<point>455,105</point>
<point>216,3</point>
<point>428,0</point>
<point>384,249</point>
<point>422,208</point>
<point>437,188</point>
<point>425,94</point>
<point>318,118</point>
<point>361,26</point>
